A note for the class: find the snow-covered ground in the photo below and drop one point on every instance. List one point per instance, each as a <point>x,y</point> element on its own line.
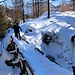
<point>60,27</point>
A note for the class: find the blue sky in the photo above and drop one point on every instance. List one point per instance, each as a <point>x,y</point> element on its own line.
<point>56,3</point>
<point>1,0</point>
<point>9,2</point>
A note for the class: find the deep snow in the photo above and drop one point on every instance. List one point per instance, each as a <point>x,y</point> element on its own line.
<point>61,28</point>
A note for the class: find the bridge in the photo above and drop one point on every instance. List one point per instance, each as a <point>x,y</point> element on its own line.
<point>37,63</point>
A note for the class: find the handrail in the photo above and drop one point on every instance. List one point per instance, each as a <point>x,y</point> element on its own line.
<point>30,69</point>
<point>47,56</point>
<point>39,51</point>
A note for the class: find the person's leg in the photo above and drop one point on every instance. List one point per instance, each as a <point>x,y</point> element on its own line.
<point>73,67</point>
<point>16,35</point>
<point>19,35</point>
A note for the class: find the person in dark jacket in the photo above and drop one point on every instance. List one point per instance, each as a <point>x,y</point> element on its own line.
<point>17,29</point>
<point>73,67</point>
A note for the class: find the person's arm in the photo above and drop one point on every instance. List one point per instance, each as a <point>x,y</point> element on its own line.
<point>20,28</point>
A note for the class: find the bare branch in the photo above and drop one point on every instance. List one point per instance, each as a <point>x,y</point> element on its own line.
<point>2,1</point>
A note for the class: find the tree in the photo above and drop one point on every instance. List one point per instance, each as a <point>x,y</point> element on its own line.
<point>73,4</point>
<point>18,7</point>
<point>23,11</point>
<point>38,8</point>
<point>2,1</point>
<point>49,7</point>
<point>33,9</point>
<point>48,10</point>
<point>3,23</point>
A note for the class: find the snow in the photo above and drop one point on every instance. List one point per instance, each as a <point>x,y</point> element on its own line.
<point>61,28</point>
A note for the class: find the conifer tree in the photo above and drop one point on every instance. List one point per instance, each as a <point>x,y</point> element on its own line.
<point>3,23</point>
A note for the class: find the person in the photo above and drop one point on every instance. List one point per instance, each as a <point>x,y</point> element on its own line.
<point>73,67</point>
<point>17,29</point>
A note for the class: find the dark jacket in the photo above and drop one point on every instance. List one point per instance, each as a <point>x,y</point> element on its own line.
<point>73,67</point>
<point>16,28</point>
